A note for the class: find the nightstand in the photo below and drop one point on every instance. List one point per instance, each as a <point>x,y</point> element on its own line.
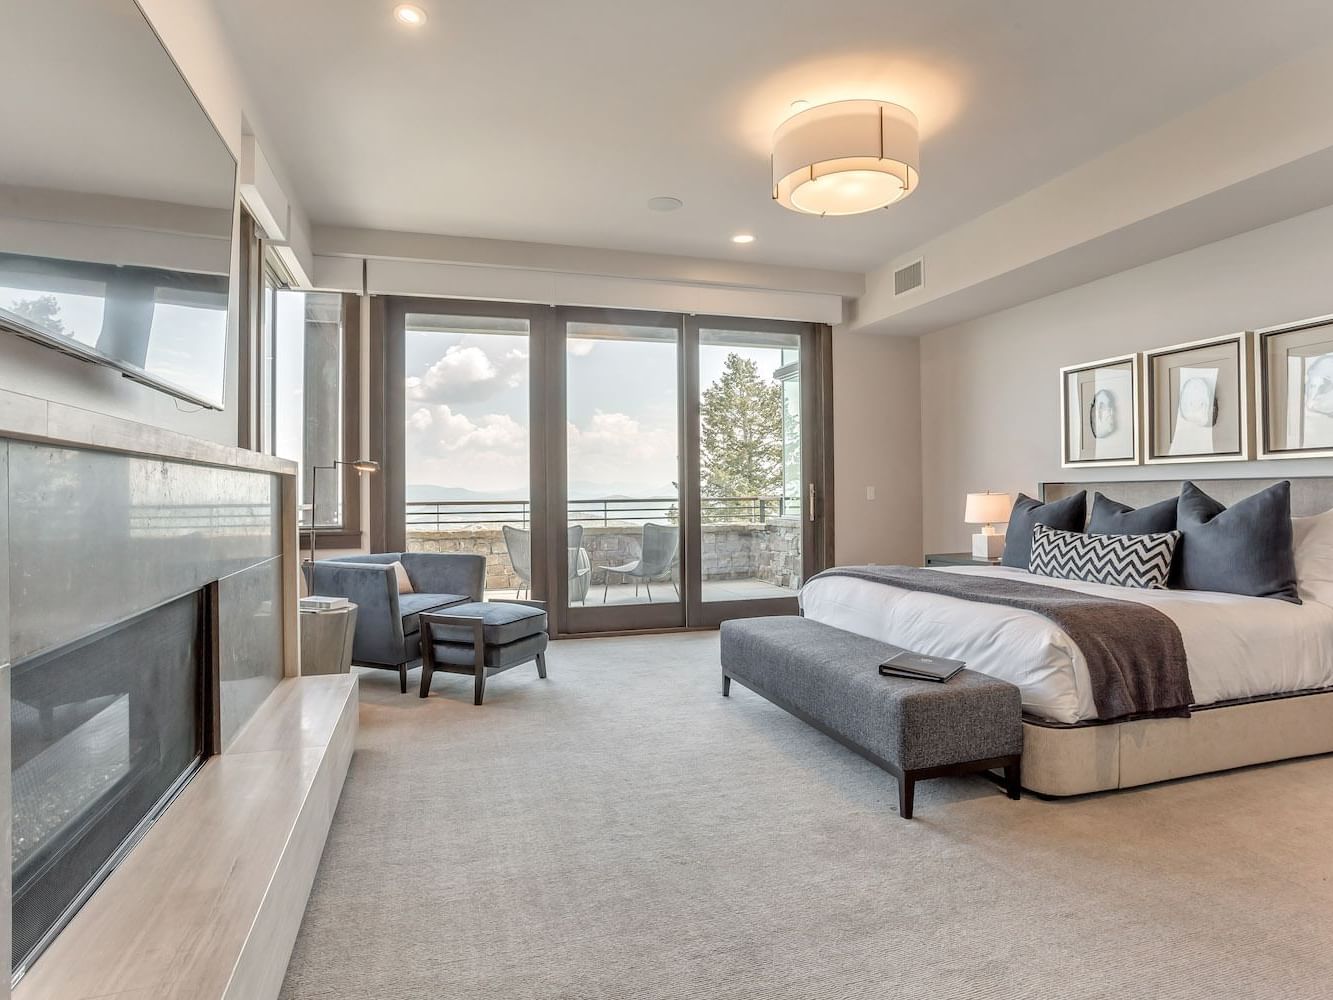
<point>957,559</point>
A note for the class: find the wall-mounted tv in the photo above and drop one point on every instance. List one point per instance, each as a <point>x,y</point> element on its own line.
<point>117,200</point>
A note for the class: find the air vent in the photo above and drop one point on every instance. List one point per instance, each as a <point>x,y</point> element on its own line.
<point>908,278</point>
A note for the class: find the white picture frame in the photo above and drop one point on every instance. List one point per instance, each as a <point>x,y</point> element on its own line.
<point>1294,401</point>
<point>1197,401</point>
<point>1100,413</point>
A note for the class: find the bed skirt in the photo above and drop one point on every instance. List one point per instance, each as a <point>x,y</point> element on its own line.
<point>1061,760</point>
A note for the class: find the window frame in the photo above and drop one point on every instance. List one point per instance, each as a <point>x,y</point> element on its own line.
<point>348,533</point>
<point>262,276</point>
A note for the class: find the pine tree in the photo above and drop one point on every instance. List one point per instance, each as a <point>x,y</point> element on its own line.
<point>740,420</point>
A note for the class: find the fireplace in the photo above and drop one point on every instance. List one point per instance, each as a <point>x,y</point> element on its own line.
<point>106,730</point>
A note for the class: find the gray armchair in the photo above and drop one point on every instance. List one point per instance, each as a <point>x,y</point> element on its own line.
<point>387,628</point>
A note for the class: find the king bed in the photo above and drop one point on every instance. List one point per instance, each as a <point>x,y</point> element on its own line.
<point>1261,670</point>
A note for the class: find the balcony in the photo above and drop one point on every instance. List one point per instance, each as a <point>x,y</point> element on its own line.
<point>751,545</point>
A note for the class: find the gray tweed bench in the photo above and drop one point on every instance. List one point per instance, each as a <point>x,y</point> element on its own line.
<point>913,729</point>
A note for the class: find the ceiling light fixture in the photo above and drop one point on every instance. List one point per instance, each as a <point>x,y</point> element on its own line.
<point>743,238</point>
<point>664,203</point>
<point>409,14</point>
<point>845,158</point>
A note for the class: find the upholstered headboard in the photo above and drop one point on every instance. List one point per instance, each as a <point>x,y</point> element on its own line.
<point>1309,494</point>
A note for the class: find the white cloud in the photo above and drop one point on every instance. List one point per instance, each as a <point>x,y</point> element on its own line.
<point>446,431</point>
<point>580,347</point>
<point>614,447</point>
<point>451,449</point>
<point>490,451</point>
<point>468,374</point>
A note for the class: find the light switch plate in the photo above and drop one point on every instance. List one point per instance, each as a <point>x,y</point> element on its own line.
<point>870,493</point>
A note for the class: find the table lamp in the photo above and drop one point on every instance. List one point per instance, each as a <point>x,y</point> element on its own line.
<point>987,509</point>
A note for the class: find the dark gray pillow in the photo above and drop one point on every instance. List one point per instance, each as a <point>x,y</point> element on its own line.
<point>1242,549</point>
<point>1068,514</point>
<point>1110,517</point>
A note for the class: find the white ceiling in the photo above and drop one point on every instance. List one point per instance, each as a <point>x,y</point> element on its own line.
<point>555,120</point>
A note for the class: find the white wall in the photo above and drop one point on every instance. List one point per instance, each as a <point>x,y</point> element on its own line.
<point>990,405</point>
<point>191,31</point>
<point>876,444</point>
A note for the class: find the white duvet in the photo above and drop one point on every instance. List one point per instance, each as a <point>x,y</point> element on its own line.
<point>1238,647</point>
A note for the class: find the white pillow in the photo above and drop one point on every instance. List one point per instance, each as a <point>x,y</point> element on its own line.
<point>1312,544</point>
<point>404,581</point>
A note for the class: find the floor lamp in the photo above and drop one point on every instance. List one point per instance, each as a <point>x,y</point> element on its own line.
<point>361,465</point>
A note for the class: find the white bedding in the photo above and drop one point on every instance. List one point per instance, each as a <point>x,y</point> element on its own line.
<point>1238,647</point>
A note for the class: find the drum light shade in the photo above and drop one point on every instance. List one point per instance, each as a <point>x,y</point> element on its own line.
<point>987,508</point>
<point>845,158</point>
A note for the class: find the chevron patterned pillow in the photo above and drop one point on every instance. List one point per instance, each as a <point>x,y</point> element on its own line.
<point>1142,561</point>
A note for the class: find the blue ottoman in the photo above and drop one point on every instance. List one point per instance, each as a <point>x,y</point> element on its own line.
<point>480,638</point>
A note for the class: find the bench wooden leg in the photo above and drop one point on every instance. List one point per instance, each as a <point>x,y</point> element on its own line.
<point>1013,779</point>
<point>906,786</point>
<point>726,686</point>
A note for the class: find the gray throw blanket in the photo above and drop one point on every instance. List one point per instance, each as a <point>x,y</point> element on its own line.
<point>1134,653</point>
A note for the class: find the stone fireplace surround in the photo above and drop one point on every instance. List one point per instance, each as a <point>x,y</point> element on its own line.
<point>104,518</point>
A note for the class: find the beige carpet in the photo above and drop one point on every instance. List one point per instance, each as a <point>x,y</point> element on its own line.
<point>621,830</point>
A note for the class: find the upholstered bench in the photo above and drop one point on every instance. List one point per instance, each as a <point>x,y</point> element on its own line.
<point>480,638</point>
<point>913,729</point>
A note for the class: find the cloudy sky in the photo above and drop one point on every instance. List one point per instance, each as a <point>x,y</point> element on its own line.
<point>468,421</point>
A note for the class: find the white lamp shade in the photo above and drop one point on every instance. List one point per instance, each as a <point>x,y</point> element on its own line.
<point>845,158</point>
<point>988,508</point>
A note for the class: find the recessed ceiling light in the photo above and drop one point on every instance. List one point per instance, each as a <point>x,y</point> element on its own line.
<point>664,203</point>
<point>409,14</point>
<point>743,238</point>
<point>799,104</point>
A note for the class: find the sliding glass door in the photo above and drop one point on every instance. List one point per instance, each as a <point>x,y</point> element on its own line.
<point>468,456</point>
<point>633,470</point>
<point>622,499</point>
<point>753,534</point>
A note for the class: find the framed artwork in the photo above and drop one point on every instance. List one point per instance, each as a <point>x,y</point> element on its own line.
<point>1100,413</point>
<point>1294,365</point>
<point>1197,401</point>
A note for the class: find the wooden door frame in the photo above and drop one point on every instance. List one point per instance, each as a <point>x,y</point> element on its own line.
<point>616,618</point>
<point>548,454</point>
<point>388,414</point>
<point>710,614</point>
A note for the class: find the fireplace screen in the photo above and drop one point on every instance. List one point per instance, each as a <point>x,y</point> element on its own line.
<point>105,731</point>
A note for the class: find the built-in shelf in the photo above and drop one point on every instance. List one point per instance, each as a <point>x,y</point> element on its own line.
<point>210,902</point>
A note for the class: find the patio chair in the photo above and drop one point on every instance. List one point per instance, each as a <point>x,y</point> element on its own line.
<point>657,556</point>
<point>518,542</point>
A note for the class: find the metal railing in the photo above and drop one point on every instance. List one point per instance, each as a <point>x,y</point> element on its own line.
<point>454,515</point>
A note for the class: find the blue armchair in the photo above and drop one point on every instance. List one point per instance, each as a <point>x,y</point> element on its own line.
<point>388,634</point>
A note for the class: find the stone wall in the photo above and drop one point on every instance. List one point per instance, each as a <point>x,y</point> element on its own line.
<point>770,552</point>
<point>778,556</point>
<point>488,542</point>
